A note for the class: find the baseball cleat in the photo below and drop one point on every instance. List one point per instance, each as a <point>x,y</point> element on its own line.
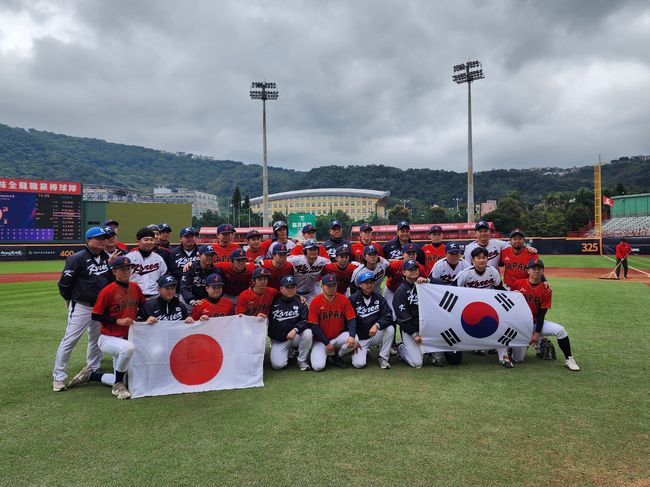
<point>338,361</point>
<point>303,366</point>
<point>480,352</point>
<point>506,363</point>
<point>571,364</point>
<point>383,363</point>
<point>82,377</point>
<point>436,359</point>
<point>58,386</point>
<point>120,391</point>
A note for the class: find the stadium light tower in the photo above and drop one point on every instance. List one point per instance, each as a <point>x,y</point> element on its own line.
<point>466,73</point>
<point>263,90</point>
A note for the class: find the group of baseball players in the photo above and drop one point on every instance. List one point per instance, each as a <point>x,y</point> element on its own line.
<point>323,301</point>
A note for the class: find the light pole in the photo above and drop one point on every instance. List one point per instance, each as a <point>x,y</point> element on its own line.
<point>262,90</point>
<point>457,200</point>
<point>466,73</point>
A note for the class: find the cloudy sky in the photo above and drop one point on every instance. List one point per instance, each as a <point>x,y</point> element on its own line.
<point>361,81</point>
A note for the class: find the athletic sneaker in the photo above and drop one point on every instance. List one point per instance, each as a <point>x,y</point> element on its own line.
<point>436,359</point>
<point>506,363</point>
<point>383,363</point>
<point>303,366</point>
<point>120,391</point>
<point>82,377</point>
<point>393,349</point>
<point>338,361</point>
<point>571,364</point>
<point>58,386</point>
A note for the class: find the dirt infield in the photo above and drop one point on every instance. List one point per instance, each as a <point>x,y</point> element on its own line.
<point>31,277</point>
<point>589,273</point>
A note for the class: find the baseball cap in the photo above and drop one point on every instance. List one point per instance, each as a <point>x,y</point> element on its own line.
<point>121,261</point>
<point>335,223</point>
<point>164,227</point>
<point>109,232</point>
<point>482,224</point>
<point>343,249</point>
<point>365,227</point>
<point>403,224</point>
<point>111,222</point>
<point>535,263</point>
<point>214,280</point>
<point>278,225</point>
<point>409,247</point>
<point>370,249</point>
<point>253,233</point>
<point>435,228</point>
<point>153,227</point>
<point>308,228</point>
<point>206,250</point>
<point>238,254</point>
<point>365,276</point>
<point>328,279</point>
<point>260,272</point>
<point>280,249</point>
<point>287,281</point>
<point>452,248</point>
<point>167,281</point>
<point>479,251</point>
<point>187,231</point>
<point>144,232</point>
<point>409,264</point>
<point>517,231</point>
<point>310,243</point>
<point>95,232</point>
<point>225,228</point>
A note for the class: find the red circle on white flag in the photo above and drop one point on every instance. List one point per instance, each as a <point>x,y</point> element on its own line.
<point>196,359</point>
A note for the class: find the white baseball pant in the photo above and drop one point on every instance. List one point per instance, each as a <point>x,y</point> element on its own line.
<point>548,328</point>
<point>280,349</point>
<point>319,352</point>
<point>119,348</point>
<point>410,351</point>
<point>312,294</point>
<point>389,295</point>
<point>79,319</point>
<point>382,339</point>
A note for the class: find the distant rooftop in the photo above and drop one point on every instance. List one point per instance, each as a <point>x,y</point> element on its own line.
<point>369,193</point>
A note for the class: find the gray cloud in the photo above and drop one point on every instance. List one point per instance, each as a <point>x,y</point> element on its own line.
<point>360,82</point>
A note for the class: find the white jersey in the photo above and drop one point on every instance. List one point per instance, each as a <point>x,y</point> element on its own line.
<point>494,248</point>
<point>147,271</point>
<point>289,243</point>
<point>379,271</point>
<point>307,275</point>
<point>443,270</point>
<point>488,279</point>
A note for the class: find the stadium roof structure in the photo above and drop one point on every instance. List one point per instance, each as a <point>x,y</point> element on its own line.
<point>368,193</point>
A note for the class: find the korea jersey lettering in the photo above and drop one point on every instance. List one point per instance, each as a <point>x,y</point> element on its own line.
<point>405,304</point>
<point>444,271</point>
<point>432,254</point>
<point>343,276</point>
<point>149,267</point>
<point>118,300</point>
<point>307,275</point>
<point>370,310</point>
<point>180,257</point>
<point>251,304</point>
<point>157,307</point>
<point>84,276</point>
<point>538,296</point>
<point>298,250</point>
<point>515,265</point>
<point>488,279</point>
<point>287,314</point>
<point>330,318</point>
<point>494,248</point>
<point>213,307</point>
<point>193,282</point>
<point>235,283</point>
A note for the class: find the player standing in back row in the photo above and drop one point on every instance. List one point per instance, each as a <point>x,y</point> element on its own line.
<point>493,246</point>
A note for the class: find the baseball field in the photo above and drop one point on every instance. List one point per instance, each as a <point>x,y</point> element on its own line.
<point>475,424</point>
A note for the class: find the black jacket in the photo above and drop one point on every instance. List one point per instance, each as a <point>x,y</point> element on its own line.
<point>377,311</point>
<point>163,310</point>
<point>84,275</point>
<point>393,250</point>
<point>405,305</point>
<point>193,282</point>
<point>285,315</point>
<point>179,258</point>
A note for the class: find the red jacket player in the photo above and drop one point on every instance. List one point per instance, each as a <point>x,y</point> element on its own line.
<point>257,300</point>
<point>278,266</point>
<point>224,246</point>
<point>236,274</point>
<point>515,258</point>
<point>434,251</point>
<point>215,304</point>
<point>342,269</point>
<point>365,238</point>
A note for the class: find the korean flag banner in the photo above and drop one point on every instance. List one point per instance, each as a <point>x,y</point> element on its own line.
<point>458,318</point>
<point>173,357</point>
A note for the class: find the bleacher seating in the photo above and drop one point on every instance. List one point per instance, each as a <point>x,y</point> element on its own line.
<point>630,226</point>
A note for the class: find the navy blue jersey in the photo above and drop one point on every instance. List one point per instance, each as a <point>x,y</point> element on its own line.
<point>332,244</point>
<point>370,310</point>
<point>193,282</point>
<point>405,304</point>
<point>285,315</point>
<point>84,275</point>
<point>393,250</point>
<point>171,310</point>
<point>179,257</point>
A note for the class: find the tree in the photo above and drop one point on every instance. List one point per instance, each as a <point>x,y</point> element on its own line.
<point>236,204</point>
<point>437,214</point>
<point>509,214</point>
<point>398,213</point>
<point>619,189</point>
<point>279,216</point>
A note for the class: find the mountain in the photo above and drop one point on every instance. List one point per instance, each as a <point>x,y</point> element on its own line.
<point>30,153</point>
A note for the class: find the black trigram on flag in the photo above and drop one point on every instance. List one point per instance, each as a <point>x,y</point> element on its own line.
<point>504,301</point>
<point>450,337</point>
<point>507,337</point>
<point>448,301</point>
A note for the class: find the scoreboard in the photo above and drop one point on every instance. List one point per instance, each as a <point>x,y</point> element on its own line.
<point>40,211</point>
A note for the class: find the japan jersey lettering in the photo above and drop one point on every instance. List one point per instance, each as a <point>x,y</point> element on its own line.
<point>494,248</point>
<point>332,316</point>
<point>432,254</point>
<point>222,254</point>
<point>515,265</point>
<point>213,308</point>
<point>488,279</point>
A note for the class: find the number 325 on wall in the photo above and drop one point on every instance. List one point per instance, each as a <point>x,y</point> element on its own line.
<point>589,247</point>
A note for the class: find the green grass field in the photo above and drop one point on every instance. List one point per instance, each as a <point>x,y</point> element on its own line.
<point>475,424</point>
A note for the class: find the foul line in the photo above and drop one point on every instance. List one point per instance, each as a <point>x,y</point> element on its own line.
<point>634,268</point>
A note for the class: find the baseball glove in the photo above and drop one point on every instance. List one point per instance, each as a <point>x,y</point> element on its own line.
<point>546,350</point>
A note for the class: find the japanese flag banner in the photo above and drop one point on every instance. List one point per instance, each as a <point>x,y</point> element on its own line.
<point>172,357</point>
<point>458,318</point>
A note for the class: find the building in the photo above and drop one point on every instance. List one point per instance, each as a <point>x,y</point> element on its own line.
<point>488,207</point>
<point>112,193</point>
<point>201,202</point>
<point>358,203</point>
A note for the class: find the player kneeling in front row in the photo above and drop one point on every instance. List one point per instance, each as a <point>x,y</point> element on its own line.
<point>374,322</point>
<point>405,305</point>
<point>538,296</point>
<point>334,325</point>
<point>288,326</point>
<point>167,306</point>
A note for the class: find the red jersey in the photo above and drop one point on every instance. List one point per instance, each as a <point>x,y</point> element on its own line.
<point>515,265</point>
<point>250,303</point>
<point>432,254</point>
<point>222,307</point>
<point>277,274</point>
<point>297,250</point>
<point>395,274</point>
<point>222,254</point>
<point>538,296</point>
<point>234,283</point>
<point>264,246</point>
<point>331,317</point>
<point>117,301</point>
<point>251,255</point>
<point>356,250</point>
<point>623,250</point>
<point>343,276</point>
